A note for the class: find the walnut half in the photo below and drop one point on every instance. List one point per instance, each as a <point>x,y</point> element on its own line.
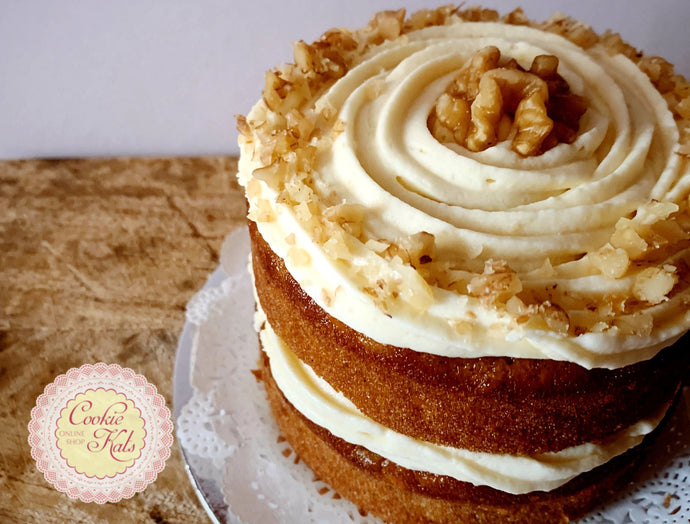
<point>487,103</point>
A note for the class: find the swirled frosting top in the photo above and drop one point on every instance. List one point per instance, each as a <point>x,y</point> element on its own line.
<point>578,253</point>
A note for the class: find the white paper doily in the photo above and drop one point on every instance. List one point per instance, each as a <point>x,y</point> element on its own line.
<point>245,472</point>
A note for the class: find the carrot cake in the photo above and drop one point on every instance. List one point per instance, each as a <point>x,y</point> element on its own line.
<point>470,244</point>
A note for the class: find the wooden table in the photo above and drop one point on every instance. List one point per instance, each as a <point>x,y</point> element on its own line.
<point>98,258</point>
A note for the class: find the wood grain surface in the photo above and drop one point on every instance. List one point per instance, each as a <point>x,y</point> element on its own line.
<point>98,258</point>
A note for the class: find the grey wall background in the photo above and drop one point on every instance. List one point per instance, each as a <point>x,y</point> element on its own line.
<point>157,77</point>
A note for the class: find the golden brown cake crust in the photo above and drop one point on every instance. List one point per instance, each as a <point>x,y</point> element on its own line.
<point>492,404</point>
<point>403,496</point>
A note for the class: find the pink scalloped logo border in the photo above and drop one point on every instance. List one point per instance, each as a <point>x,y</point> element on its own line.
<point>110,489</point>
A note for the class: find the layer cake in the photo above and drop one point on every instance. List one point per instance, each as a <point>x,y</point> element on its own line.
<point>470,239</point>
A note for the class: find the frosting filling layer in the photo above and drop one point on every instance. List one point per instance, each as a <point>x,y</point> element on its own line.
<point>320,403</point>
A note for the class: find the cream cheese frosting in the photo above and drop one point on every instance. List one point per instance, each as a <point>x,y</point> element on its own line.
<point>545,216</point>
<point>320,403</point>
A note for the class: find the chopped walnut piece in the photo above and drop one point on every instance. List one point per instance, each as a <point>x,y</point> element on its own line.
<point>385,25</point>
<point>272,175</point>
<point>262,212</point>
<point>499,282</point>
<point>613,262</point>
<point>544,66</point>
<point>485,101</point>
<point>417,292</point>
<point>516,17</point>
<point>253,188</point>
<point>659,72</point>
<point>653,284</point>
<point>420,248</point>
<point>295,193</point>
<point>546,317</point>
<point>655,211</point>
<point>574,30</point>
<point>656,224</point>
<point>349,216</point>
<point>479,14</point>
<point>326,59</point>
<point>299,125</point>
<point>555,317</point>
<point>428,17</point>
<point>272,86</point>
<point>336,247</point>
<point>614,44</point>
<point>281,94</point>
<point>626,237</point>
<point>516,307</point>
<point>377,246</point>
<point>243,127</point>
<point>304,211</point>
<point>303,55</point>
<point>404,284</point>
